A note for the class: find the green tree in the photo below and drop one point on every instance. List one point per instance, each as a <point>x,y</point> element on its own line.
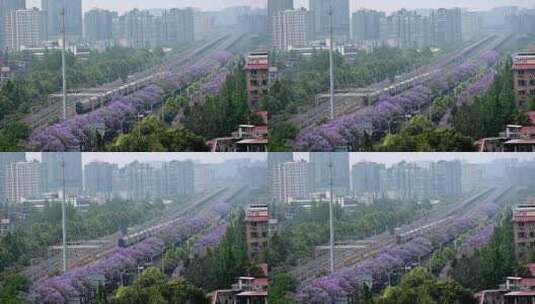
<point>281,285</point>
<point>152,287</point>
<point>419,134</point>
<point>419,286</point>
<point>152,135</point>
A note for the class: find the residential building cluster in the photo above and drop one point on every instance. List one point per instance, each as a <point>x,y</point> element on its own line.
<point>59,175</point>
<point>291,179</point>
<point>294,181</point>
<point>293,28</point>
<point>407,181</point>
<point>30,28</point>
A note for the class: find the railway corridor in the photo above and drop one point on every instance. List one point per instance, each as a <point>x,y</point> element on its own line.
<point>354,100</point>
<point>374,245</point>
<point>100,95</point>
<point>85,252</point>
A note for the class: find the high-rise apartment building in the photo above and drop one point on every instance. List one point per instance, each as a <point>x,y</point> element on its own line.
<point>321,172</point>
<point>141,29</point>
<point>178,178</point>
<point>472,24</point>
<point>24,181</point>
<point>63,167</point>
<point>274,160</point>
<point>6,159</point>
<point>447,178</point>
<point>178,26</point>
<point>143,182</point>
<point>6,7</point>
<point>73,17</point>
<point>276,6</point>
<point>292,28</point>
<point>321,10</point>
<point>98,179</point>
<point>23,28</point>
<point>366,25</point>
<point>292,180</point>
<point>98,25</point>
<point>446,26</point>
<point>368,180</point>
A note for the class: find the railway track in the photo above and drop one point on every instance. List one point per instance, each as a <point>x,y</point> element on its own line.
<point>136,81</point>
<point>358,99</point>
<point>320,265</point>
<point>41,269</point>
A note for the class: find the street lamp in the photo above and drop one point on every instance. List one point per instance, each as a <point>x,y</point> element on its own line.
<point>331,57</point>
<point>331,217</point>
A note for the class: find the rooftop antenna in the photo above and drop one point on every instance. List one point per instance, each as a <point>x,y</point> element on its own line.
<point>331,56</point>
<point>63,62</point>
<point>331,217</point>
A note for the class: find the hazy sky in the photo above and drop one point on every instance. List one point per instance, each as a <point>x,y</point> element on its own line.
<point>386,158</point>
<point>385,5</point>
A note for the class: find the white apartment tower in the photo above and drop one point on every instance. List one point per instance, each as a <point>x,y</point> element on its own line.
<point>23,28</point>
<point>292,28</point>
<point>291,180</point>
<point>23,180</point>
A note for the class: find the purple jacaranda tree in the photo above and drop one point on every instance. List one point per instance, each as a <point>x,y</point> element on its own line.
<point>77,132</point>
<point>346,131</point>
<point>349,281</point>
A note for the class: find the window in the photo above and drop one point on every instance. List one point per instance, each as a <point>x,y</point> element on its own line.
<point>254,82</point>
<point>521,83</point>
<point>254,235</point>
<point>532,82</point>
<point>521,235</point>
<point>521,72</point>
<point>522,93</point>
<point>532,92</point>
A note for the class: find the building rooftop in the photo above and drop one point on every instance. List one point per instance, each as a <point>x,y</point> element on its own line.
<point>253,294</point>
<point>524,213</point>
<point>520,294</point>
<point>524,61</point>
<point>257,61</point>
<point>257,213</point>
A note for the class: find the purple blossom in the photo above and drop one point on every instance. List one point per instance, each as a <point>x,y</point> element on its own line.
<point>377,119</point>
<point>349,281</point>
<point>75,133</point>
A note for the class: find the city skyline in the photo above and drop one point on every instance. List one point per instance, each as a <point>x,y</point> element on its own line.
<point>119,157</point>
<point>385,5</point>
<point>211,158</point>
<point>391,158</point>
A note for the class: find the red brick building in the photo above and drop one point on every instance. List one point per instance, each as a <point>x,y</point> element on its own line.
<point>524,77</point>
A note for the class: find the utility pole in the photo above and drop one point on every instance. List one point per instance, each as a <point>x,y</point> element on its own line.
<point>63,62</point>
<point>331,55</point>
<point>63,214</point>
<point>331,216</point>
